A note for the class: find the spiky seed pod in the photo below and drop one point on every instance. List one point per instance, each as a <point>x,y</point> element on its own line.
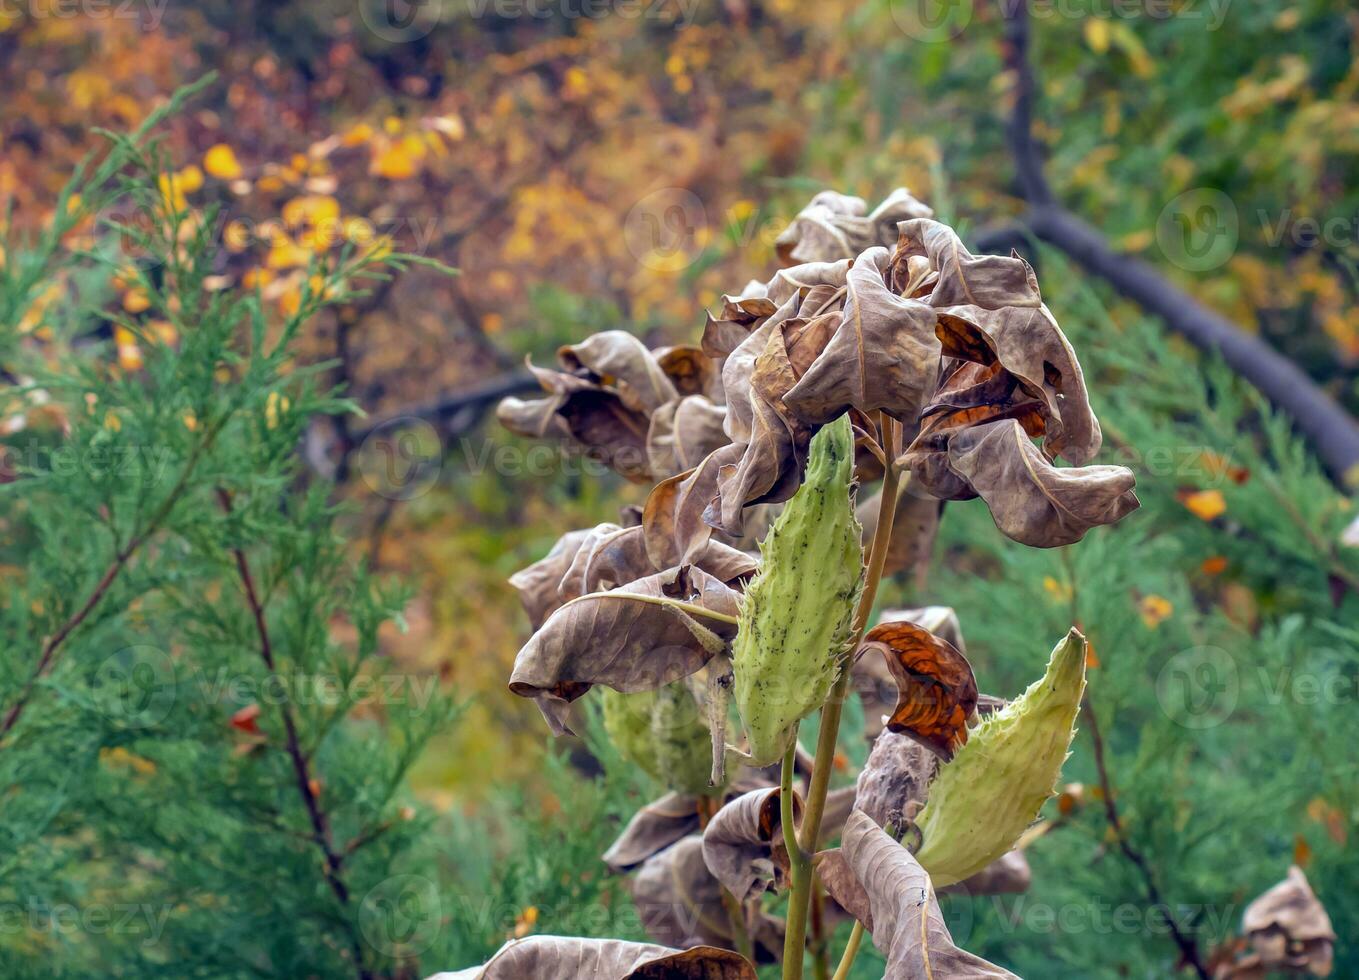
<point>981,802</point>
<point>663,732</point>
<point>795,622</point>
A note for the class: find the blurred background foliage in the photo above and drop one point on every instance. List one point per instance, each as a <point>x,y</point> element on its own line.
<point>530,149</point>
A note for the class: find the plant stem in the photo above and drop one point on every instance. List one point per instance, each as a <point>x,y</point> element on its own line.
<point>800,856</point>
<point>851,951</point>
<point>795,932</point>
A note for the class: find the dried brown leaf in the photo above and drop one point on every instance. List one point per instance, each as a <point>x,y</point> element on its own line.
<point>562,958</point>
<point>1032,501</point>
<point>903,912</point>
<point>621,639</point>
<point>882,356</point>
<point>743,844</point>
<point>937,693</point>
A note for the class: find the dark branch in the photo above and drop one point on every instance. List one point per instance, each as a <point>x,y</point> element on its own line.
<point>1189,949</point>
<point>457,411</point>
<point>320,824</point>
<point>1332,430</point>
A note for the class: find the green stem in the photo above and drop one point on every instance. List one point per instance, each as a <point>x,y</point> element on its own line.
<point>856,935</point>
<point>851,950</point>
<point>810,833</point>
<point>795,933</point>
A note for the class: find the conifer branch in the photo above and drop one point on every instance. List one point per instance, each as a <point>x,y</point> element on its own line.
<point>316,814</point>
<point>121,557</point>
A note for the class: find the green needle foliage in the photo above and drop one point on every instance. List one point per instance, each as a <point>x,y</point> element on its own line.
<point>202,760</point>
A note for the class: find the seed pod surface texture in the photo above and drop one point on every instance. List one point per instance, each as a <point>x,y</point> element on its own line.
<point>662,732</point>
<point>796,614</point>
<point>981,802</point>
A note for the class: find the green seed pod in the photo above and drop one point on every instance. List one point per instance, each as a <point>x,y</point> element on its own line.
<point>795,622</point>
<point>662,732</point>
<point>982,801</point>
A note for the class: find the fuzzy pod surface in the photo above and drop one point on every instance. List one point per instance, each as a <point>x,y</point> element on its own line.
<point>980,803</point>
<point>796,615</point>
<point>664,733</point>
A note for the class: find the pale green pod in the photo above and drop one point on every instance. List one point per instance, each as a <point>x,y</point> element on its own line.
<point>980,803</point>
<point>662,732</point>
<point>795,622</point>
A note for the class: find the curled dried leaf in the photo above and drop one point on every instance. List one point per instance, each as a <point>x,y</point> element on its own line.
<point>882,355</point>
<point>652,829</point>
<point>937,693</point>
<point>537,584</point>
<point>902,912</point>
<point>562,958</point>
<point>683,433</point>
<point>632,639</point>
<point>1032,501</point>
<point>1288,931</point>
<point>895,779</point>
<point>743,845</point>
<point>838,226</point>
<point>680,904</point>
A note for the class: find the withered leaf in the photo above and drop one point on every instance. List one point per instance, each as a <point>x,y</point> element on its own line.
<point>1027,343</point>
<point>740,316</point>
<point>903,913</point>
<point>573,583</point>
<point>537,584</point>
<point>882,356</point>
<point>895,779</point>
<point>1288,931</point>
<point>562,958</point>
<point>683,433</point>
<point>937,693</point>
<point>768,471</point>
<point>1032,501</point>
<point>621,639</point>
<point>800,280</point>
<point>837,226</point>
<point>743,844</point>
<point>680,904</point>
<point>874,682</point>
<point>988,281</point>
<point>673,515</point>
<point>660,823</point>
<point>690,370</point>
<point>652,829</point>
<point>617,359</point>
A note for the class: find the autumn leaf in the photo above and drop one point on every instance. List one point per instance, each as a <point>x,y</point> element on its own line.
<point>937,693</point>
<point>559,958</point>
<point>743,845</point>
<point>1288,931</point>
<point>220,162</point>
<point>882,882</point>
<point>637,638</point>
<point>1206,505</point>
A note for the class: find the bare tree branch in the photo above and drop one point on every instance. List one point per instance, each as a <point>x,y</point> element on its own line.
<point>1332,431</point>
